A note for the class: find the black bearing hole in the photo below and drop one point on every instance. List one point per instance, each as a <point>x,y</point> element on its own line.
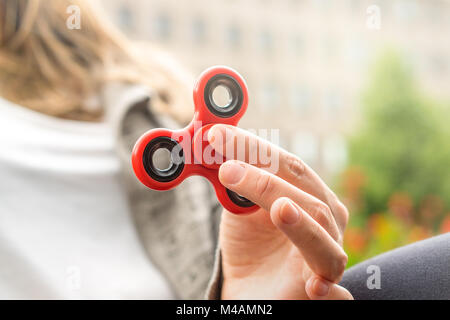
<point>239,200</point>
<point>222,96</point>
<point>162,159</point>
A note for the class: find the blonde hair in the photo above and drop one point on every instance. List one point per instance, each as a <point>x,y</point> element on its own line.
<point>47,67</point>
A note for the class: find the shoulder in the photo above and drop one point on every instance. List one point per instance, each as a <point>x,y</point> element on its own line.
<point>178,227</point>
<point>129,109</point>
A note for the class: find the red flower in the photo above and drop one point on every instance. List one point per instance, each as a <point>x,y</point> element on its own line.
<point>355,240</point>
<point>401,205</point>
<point>352,182</point>
<point>445,226</point>
<point>431,208</point>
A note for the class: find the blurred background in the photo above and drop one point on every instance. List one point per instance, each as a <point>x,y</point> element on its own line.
<point>359,89</point>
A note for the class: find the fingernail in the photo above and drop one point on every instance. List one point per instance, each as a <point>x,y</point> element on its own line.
<point>321,288</point>
<point>289,213</point>
<point>222,136</point>
<point>232,172</point>
<point>211,135</point>
<point>213,132</point>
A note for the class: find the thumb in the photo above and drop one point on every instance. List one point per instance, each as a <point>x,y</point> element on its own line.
<point>318,288</point>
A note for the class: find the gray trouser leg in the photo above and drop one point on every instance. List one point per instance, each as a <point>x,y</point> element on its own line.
<point>417,271</point>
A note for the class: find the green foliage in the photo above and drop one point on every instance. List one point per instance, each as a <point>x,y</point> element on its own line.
<point>404,142</point>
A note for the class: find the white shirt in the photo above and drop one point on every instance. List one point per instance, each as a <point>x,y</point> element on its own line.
<point>65,228</point>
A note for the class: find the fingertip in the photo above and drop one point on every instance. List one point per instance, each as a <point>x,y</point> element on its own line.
<point>284,212</point>
<point>218,133</point>
<point>213,132</point>
<point>276,208</point>
<point>308,288</point>
<point>231,172</point>
<point>276,205</point>
<point>317,288</point>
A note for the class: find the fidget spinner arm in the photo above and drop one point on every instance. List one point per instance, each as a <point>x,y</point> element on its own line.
<point>190,152</point>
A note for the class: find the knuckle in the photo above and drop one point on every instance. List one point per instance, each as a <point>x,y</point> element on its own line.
<point>339,238</point>
<point>336,267</point>
<point>312,236</point>
<point>295,165</point>
<point>342,212</point>
<point>322,214</point>
<point>340,264</point>
<point>264,185</point>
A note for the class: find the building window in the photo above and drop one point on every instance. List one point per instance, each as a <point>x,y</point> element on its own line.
<point>198,30</point>
<point>163,26</point>
<point>282,142</point>
<point>328,47</point>
<point>233,36</point>
<point>356,52</point>
<point>125,18</point>
<point>434,12</point>
<point>322,4</point>
<point>355,5</point>
<point>405,10</point>
<point>332,103</point>
<point>300,99</point>
<point>306,146</point>
<point>269,96</point>
<point>265,41</point>
<point>297,45</point>
<point>438,65</point>
<point>334,153</point>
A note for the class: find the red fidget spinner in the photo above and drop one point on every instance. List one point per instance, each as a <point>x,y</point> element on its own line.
<point>190,152</point>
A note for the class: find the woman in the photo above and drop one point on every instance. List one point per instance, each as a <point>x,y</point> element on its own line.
<point>75,222</point>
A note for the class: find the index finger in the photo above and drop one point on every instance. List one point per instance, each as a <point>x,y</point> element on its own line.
<point>264,188</point>
<point>238,144</point>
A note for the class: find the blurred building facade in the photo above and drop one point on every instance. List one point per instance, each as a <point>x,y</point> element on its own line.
<point>305,61</point>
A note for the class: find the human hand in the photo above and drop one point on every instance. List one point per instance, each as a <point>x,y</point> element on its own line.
<point>291,248</point>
